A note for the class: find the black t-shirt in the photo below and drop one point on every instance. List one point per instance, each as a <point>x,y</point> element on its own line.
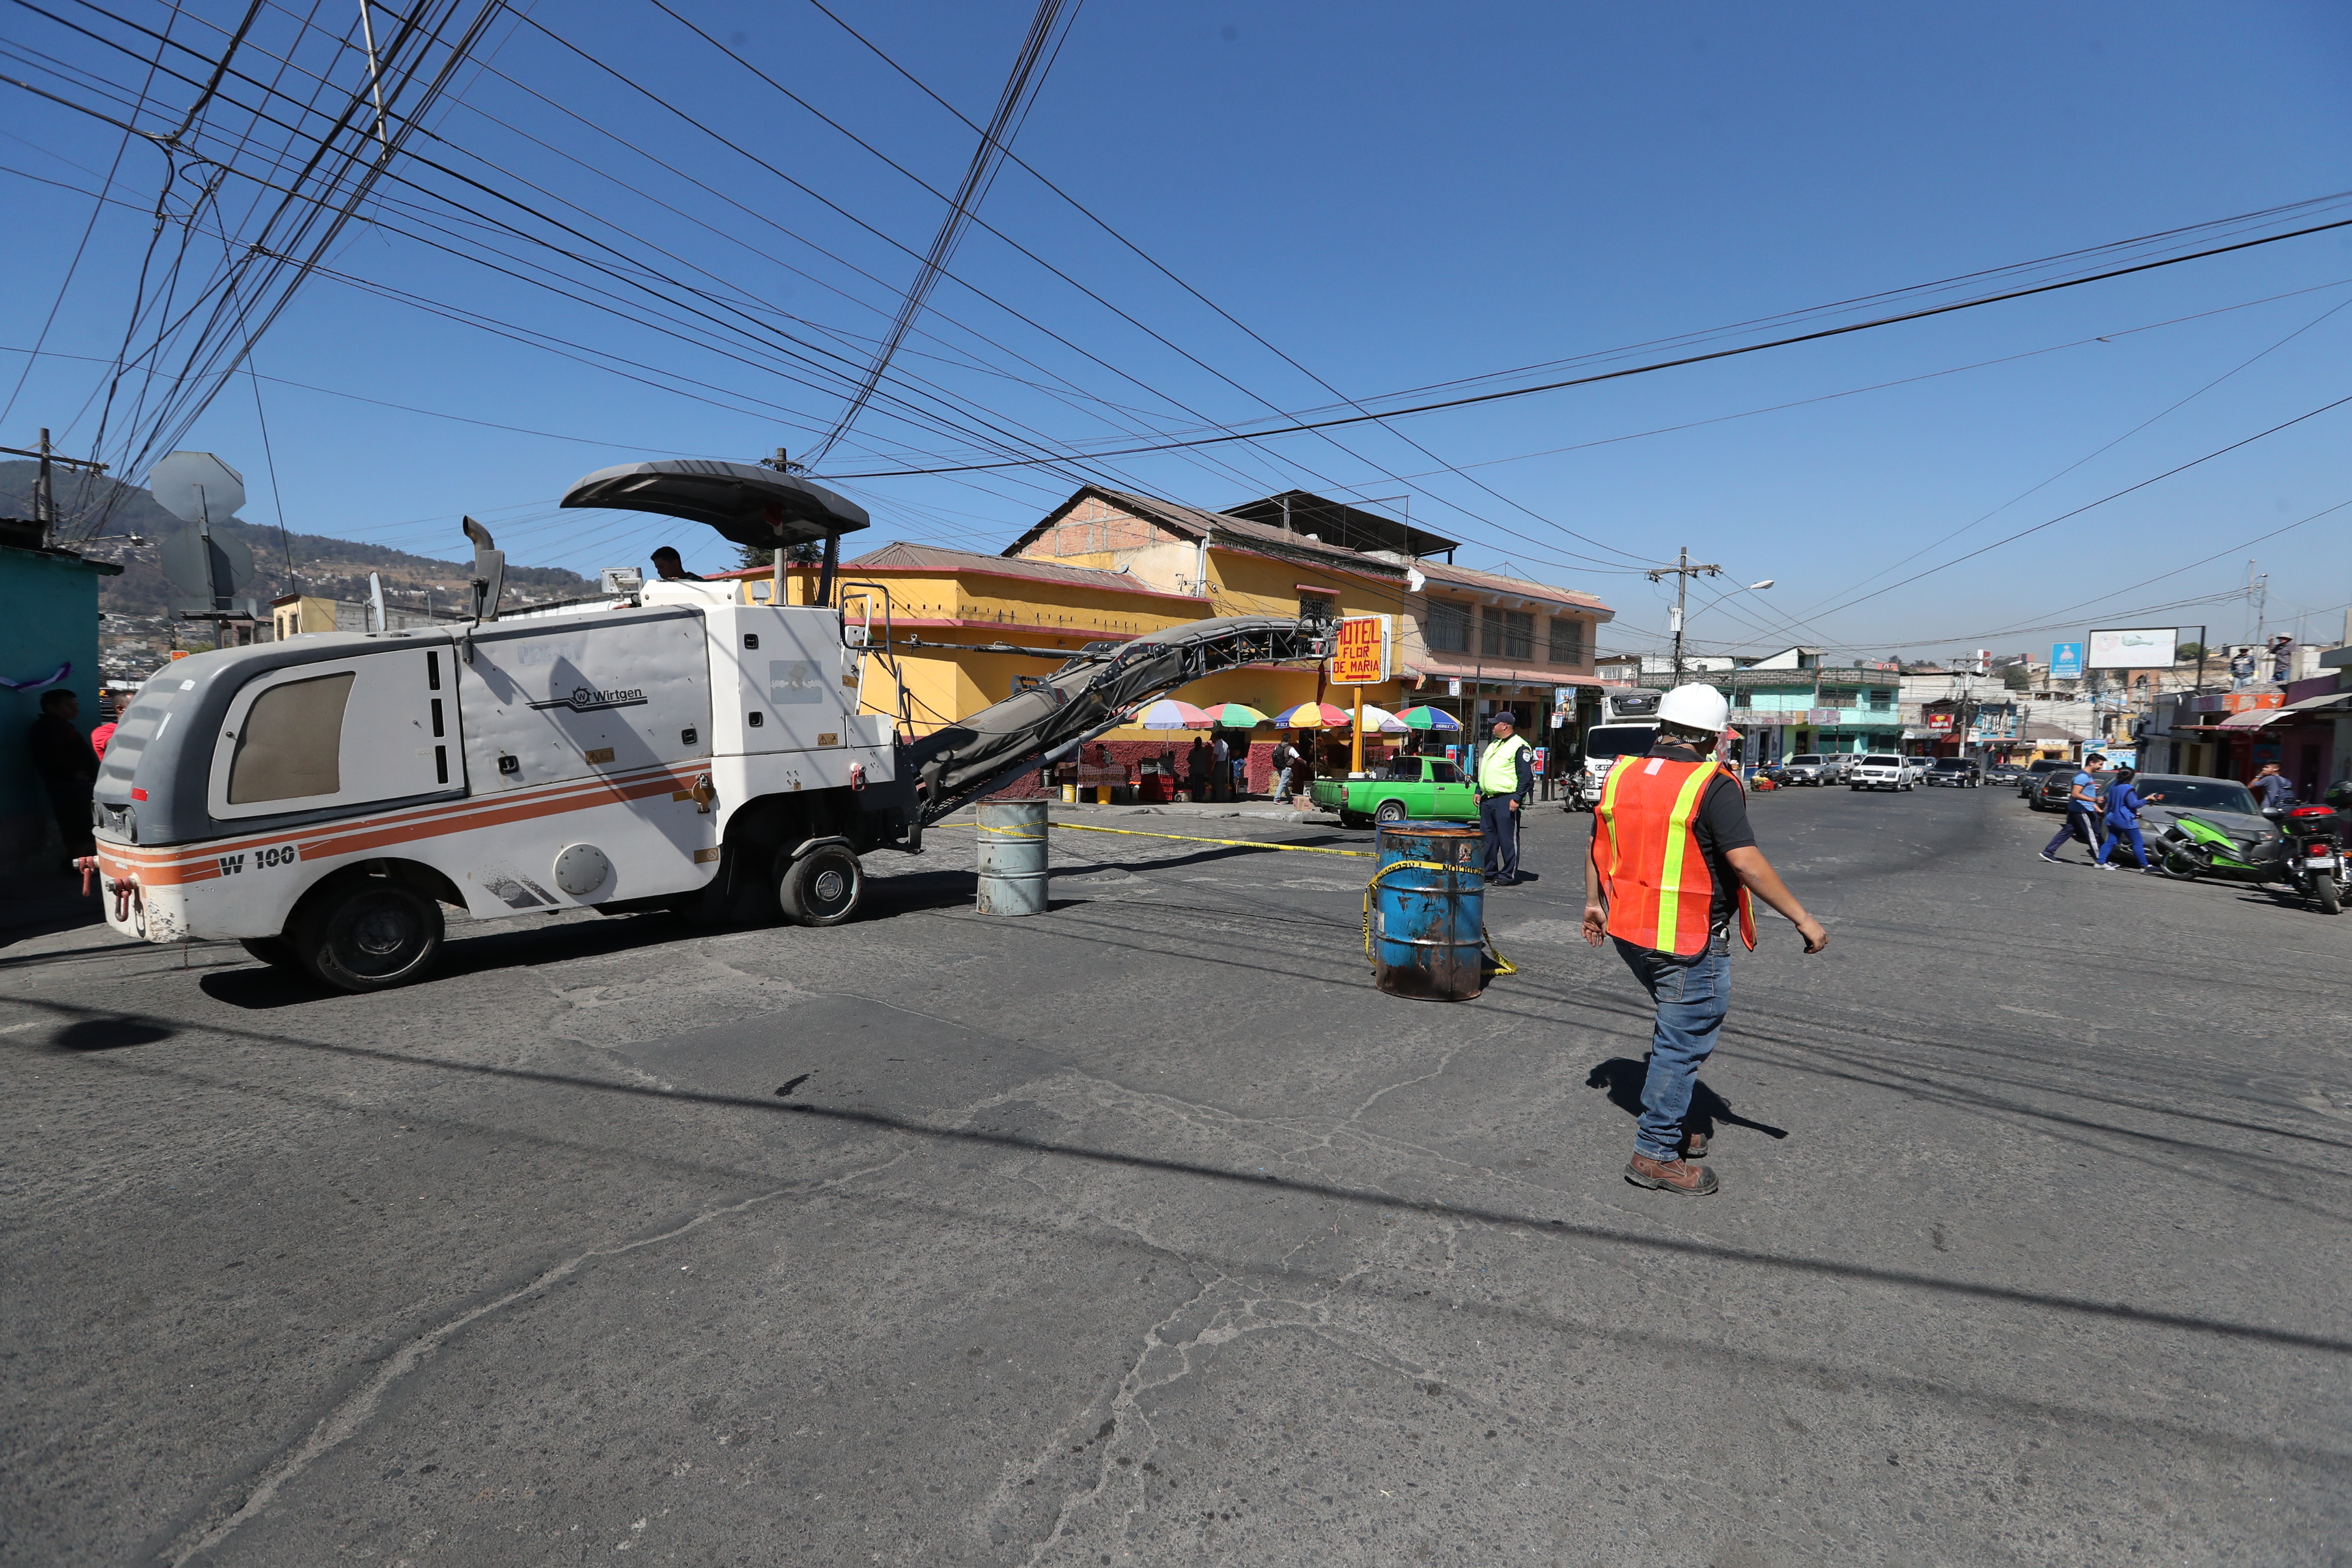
<point>1721,825</point>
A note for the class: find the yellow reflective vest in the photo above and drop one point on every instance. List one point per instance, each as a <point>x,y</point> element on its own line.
<point>1498,766</point>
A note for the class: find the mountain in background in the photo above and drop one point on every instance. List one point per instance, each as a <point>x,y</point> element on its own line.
<point>338,568</point>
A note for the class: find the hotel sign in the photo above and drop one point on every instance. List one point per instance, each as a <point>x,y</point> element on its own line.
<point>1360,654</point>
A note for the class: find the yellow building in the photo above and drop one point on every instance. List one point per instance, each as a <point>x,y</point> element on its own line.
<point>1105,566</point>
<point>956,603</point>
<point>1504,642</point>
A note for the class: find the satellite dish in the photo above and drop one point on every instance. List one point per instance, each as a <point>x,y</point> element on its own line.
<point>197,487</point>
<point>205,574</point>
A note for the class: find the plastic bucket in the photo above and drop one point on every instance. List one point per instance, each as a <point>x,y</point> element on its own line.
<point>1012,857</point>
<point>1429,920</point>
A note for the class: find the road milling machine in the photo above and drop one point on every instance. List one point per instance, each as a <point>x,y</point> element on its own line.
<point>675,745</point>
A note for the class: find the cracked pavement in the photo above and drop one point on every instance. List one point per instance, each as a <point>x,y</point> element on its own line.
<point>1146,1231</point>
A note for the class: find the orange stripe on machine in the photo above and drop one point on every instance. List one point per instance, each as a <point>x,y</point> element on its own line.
<point>182,864</point>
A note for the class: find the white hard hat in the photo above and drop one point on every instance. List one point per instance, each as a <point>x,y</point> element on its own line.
<point>1694,706</point>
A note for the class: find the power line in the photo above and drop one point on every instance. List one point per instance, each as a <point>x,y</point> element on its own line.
<point>1656,365</point>
<point>1019,91</point>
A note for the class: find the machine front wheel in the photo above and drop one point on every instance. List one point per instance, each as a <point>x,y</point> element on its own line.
<point>368,935</point>
<point>822,887</point>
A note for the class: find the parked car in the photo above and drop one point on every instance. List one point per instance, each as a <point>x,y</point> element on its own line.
<point>2005,773</point>
<point>1962,773</point>
<point>1407,789</point>
<point>1808,768</point>
<point>1879,771</point>
<point>2039,768</point>
<point>2053,788</point>
<point>2223,803</point>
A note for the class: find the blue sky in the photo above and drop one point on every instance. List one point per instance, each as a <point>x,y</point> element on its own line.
<point>1391,197</point>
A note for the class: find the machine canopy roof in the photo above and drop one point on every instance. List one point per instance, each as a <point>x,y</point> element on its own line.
<point>746,503</point>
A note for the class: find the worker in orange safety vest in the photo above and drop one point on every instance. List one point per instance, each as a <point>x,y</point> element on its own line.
<point>1672,869</point>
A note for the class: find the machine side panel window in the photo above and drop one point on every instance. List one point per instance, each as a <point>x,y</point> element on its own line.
<point>291,747</point>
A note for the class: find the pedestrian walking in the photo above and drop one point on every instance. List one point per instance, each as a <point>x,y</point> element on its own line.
<point>1221,768</point>
<point>2083,811</point>
<point>1672,868</point>
<point>1502,773</point>
<point>1286,758</point>
<point>2273,788</point>
<point>1196,770</point>
<point>2123,821</point>
<point>66,767</point>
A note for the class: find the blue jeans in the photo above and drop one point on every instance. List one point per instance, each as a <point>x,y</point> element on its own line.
<point>1501,826</point>
<point>1692,995</point>
<point>2080,824</point>
<point>2117,832</point>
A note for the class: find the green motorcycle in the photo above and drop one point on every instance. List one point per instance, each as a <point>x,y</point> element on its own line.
<point>2309,857</point>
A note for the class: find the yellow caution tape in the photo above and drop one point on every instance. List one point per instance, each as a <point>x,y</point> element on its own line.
<point>1502,965</point>
<point>1186,838</point>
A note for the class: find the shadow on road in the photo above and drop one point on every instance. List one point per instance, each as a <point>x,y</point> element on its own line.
<point>1528,1224</point>
<point>1623,1078</point>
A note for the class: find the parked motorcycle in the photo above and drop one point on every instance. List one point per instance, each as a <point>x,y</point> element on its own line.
<point>2307,853</point>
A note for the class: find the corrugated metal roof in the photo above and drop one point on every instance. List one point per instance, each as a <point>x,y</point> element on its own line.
<point>1495,583</point>
<point>901,553</point>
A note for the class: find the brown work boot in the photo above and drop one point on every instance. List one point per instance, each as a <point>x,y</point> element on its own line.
<point>1693,1145</point>
<point>1670,1176</point>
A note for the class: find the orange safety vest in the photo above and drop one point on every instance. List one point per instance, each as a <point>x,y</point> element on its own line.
<point>1656,883</point>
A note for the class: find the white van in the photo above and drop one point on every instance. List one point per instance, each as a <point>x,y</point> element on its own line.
<point>1880,771</point>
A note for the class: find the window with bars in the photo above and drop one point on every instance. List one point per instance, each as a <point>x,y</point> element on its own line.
<point>1507,633</point>
<point>1449,626</point>
<point>1567,640</point>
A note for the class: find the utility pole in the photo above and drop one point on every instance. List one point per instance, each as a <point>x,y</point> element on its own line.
<point>44,501</point>
<point>1682,571</point>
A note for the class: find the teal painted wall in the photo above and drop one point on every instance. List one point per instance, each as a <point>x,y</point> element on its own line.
<point>49,616</point>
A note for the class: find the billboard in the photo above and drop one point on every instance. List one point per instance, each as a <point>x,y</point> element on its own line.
<point>1361,655</point>
<point>2140,648</point>
<point>2066,661</point>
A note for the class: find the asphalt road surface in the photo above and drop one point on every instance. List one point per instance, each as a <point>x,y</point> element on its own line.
<point>1146,1231</point>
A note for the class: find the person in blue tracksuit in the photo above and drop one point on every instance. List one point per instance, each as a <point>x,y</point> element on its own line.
<point>2082,812</point>
<point>2123,822</point>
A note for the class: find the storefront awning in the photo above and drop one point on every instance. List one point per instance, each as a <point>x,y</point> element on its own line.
<point>1499,675</point>
<point>2264,718</point>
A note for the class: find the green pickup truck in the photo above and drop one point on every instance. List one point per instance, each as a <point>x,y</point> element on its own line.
<point>1406,789</point>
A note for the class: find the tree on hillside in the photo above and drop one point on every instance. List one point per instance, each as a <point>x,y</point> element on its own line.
<point>2189,652</point>
<point>2017,678</point>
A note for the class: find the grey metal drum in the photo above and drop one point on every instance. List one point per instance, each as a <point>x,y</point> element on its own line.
<point>1012,857</point>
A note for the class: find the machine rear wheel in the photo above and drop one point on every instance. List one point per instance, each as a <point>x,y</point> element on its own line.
<point>368,935</point>
<point>2331,901</point>
<point>1391,811</point>
<point>2177,866</point>
<point>822,887</point>
<point>1354,819</point>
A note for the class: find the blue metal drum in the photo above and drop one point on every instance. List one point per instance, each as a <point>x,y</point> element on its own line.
<point>1429,920</point>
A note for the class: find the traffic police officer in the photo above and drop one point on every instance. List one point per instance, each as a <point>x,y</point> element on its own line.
<point>1503,772</point>
<point>1672,866</point>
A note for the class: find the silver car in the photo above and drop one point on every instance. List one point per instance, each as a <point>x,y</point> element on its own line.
<point>1809,768</point>
<point>2223,803</point>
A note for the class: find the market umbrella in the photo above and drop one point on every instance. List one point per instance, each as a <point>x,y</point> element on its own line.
<point>1314,716</point>
<point>1234,716</point>
<point>1427,717</point>
<point>1377,718</point>
<point>1170,714</point>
